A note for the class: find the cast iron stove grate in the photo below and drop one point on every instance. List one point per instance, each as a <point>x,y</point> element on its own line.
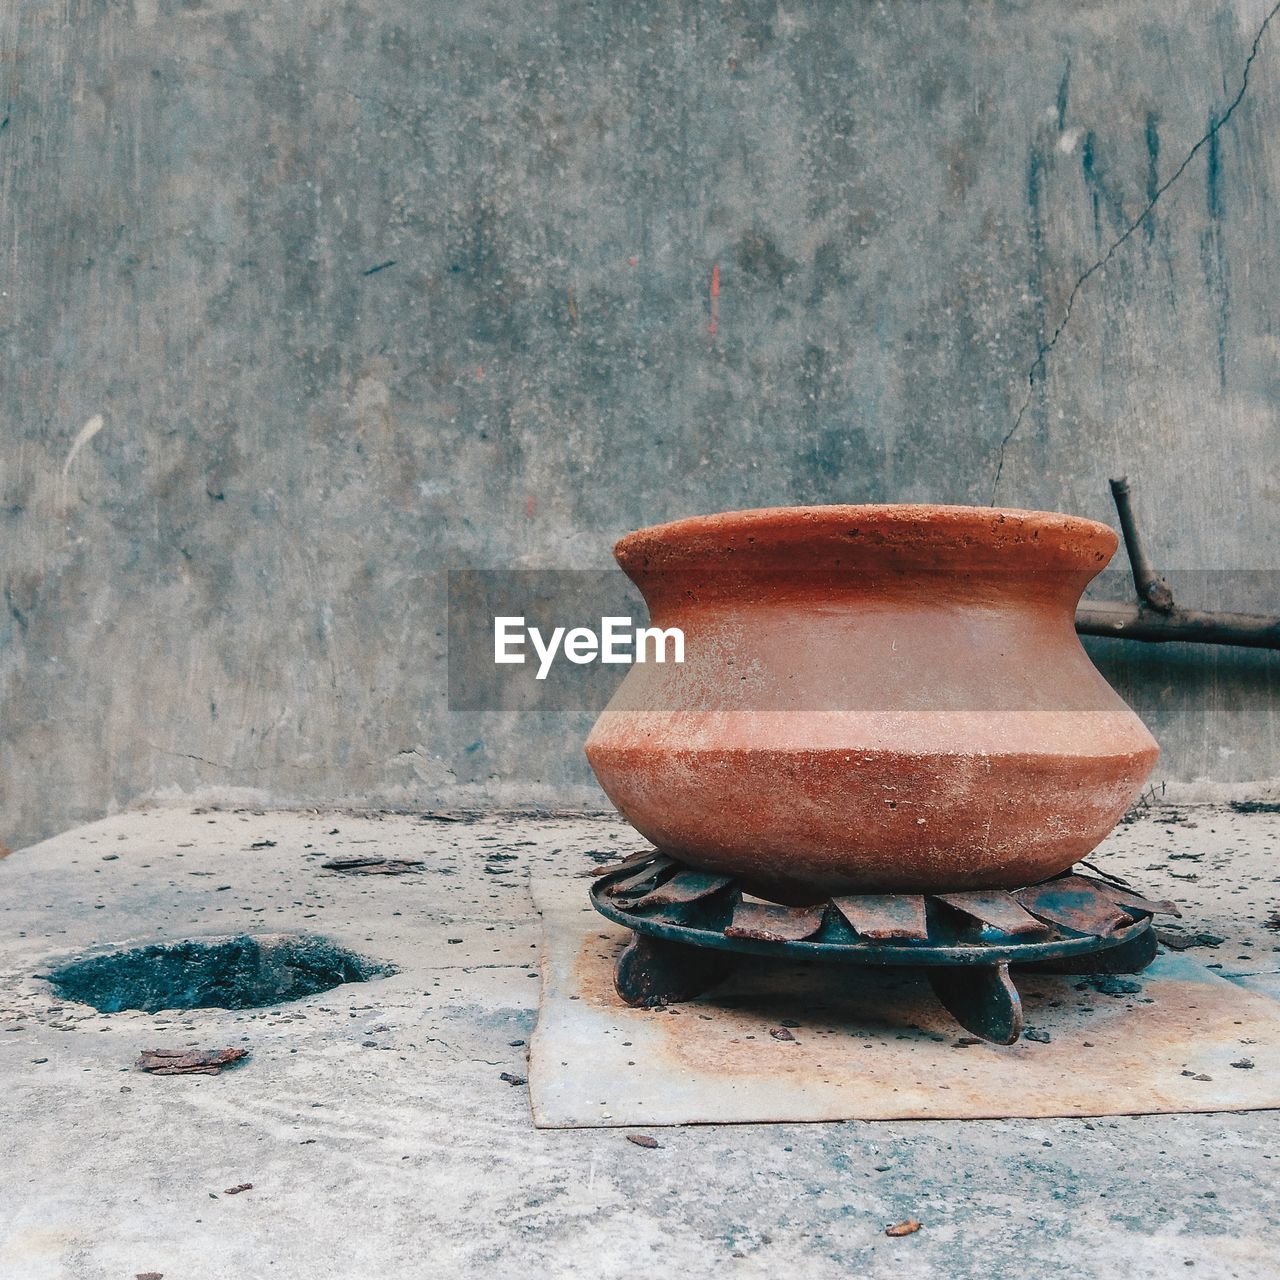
<point>687,926</point>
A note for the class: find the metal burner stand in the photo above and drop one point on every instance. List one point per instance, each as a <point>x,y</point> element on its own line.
<point>687,925</point>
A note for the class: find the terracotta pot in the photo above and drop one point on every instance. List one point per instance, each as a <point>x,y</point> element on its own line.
<point>873,698</point>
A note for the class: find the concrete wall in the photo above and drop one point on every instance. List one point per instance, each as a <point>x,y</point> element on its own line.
<point>305,303</point>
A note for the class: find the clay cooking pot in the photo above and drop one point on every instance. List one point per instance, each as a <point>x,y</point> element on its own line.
<point>873,698</point>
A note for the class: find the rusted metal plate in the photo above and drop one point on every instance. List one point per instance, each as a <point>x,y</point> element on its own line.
<point>768,923</point>
<point>1129,898</point>
<point>1076,903</point>
<point>886,915</point>
<point>683,887</point>
<point>996,908</point>
<point>877,1045</point>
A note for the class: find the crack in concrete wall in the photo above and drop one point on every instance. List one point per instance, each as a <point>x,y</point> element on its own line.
<point>1045,348</point>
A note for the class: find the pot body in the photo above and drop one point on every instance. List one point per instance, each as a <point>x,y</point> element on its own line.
<point>873,699</point>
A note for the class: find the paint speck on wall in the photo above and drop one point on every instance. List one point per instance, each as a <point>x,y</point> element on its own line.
<point>85,434</point>
<point>1069,140</point>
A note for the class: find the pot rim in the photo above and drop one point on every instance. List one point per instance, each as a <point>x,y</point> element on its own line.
<point>942,535</point>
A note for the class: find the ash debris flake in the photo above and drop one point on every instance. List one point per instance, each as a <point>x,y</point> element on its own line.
<point>188,1062</point>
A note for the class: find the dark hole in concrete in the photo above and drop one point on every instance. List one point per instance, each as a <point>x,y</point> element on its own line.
<point>216,973</point>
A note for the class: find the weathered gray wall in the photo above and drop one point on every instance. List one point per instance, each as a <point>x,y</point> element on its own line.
<point>236,576</point>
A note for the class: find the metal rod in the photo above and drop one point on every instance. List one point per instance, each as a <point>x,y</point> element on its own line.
<point>1156,618</point>
<point>1151,586</point>
<point>1195,626</point>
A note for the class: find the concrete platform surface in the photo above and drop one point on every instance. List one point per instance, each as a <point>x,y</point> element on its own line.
<point>380,1138</point>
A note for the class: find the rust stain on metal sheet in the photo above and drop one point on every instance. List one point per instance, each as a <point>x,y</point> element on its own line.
<point>880,1041</point>
<point>729,1033</point>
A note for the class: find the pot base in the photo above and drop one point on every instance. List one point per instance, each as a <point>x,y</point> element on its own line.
<point>795,825</point>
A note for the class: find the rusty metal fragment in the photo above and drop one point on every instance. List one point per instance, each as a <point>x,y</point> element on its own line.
<point>764,922</point>
<point>683,887</point>
<point>188,1062</point>
<point>639,882</point>
<point>1075,903</point>
<point>885,915</point>
<point>996,908</point>
<point>372,865</point>
<point>1097,873</point>
<point>1183,941</point>
<point>1130,898</point>
<point>641,859</point>
<point>906,1228</point>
